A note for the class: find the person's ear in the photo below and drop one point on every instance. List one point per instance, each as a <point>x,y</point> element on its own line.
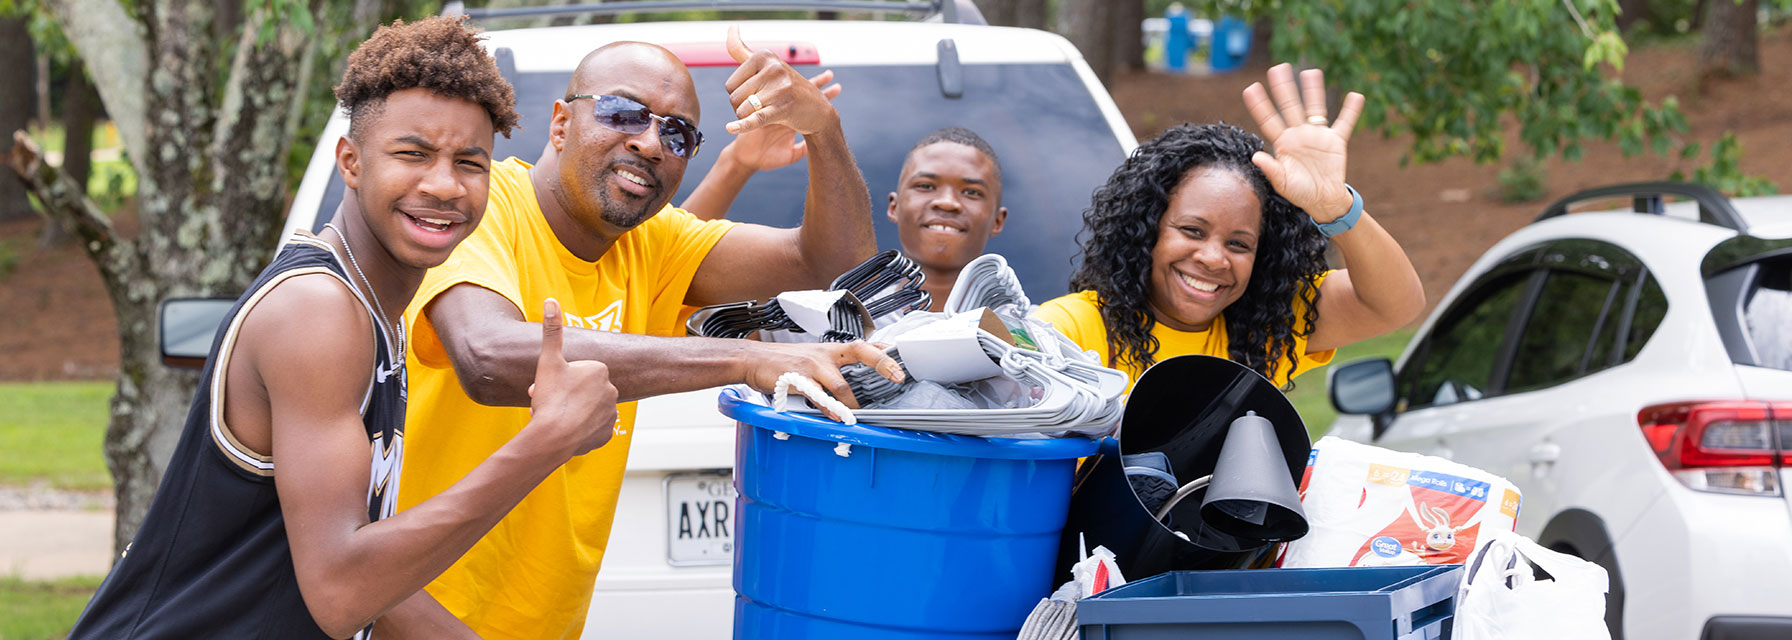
<point>557,126</point>
<point>348,162</point>
<point>1001,217</point>
<point>891,212</point>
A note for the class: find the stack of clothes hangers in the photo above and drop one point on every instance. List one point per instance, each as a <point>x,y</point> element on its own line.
<point>982,367</point>
<point>886,286</point>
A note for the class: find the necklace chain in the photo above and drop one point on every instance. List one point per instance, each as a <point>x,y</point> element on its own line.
<point>374,295</point>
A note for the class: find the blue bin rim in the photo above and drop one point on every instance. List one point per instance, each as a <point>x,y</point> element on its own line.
<point>1399,577</point>
<point>731,404</point>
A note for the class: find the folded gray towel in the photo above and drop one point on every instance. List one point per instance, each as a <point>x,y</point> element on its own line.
<point>1050,620</point>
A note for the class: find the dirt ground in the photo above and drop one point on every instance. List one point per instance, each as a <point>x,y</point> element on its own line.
<point>55,318</point>
<point>56,321</point>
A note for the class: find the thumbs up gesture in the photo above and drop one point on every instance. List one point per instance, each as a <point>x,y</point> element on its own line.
<point>767,91</point>
<point>573,400</point>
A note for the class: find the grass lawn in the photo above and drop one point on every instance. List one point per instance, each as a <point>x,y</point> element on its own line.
<point>105,135</point>
<point>1309,395</point>
<point>54,431</point>
<point>32,610</point>
<point>111,178</point>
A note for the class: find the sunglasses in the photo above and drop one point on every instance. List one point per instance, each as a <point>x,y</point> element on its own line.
<point>627,116</point>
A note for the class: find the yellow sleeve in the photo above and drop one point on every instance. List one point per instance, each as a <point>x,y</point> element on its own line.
<point>1309,361</point>
<point>485,259</point>
<point>1078,317</point>
<point>679,242</point>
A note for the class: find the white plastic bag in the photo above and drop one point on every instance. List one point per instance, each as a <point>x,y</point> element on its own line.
<point>1501,600</point>
<point>1054,618</point>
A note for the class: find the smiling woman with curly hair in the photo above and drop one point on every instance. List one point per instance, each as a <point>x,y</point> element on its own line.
<point>1204,243</point>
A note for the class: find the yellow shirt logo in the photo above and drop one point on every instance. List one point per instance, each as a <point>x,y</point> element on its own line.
<point>610,319</point>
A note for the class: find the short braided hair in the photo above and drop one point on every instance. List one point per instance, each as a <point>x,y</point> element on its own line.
<point>962,136</point>
<point>441,54</point>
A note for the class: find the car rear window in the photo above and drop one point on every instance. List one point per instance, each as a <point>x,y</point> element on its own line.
<point>1054,144</point>
<point>1767,315</point>
<point>1748,281</point>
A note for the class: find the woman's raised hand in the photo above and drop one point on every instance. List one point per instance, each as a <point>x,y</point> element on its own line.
<point>1308,165</point>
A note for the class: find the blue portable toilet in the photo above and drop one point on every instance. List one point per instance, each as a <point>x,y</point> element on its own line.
<point>1177,42</point>
<point>863,532</point>
<point>1231,44</point>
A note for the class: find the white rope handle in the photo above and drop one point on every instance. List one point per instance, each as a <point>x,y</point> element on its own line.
<point>811,390</point>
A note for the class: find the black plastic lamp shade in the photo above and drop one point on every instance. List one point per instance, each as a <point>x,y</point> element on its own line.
<point>1185,408</point>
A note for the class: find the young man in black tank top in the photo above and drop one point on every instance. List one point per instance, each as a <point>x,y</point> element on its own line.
<point>274,518</point>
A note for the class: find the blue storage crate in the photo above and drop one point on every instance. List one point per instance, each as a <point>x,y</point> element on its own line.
<point>1357,603</point>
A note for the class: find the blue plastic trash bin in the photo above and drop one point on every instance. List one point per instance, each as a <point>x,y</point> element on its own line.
<point>864,532</point>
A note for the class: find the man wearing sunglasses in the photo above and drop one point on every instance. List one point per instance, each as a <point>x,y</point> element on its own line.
<point>589,225</point>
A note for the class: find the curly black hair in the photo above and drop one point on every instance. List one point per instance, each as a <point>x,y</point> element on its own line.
<point>441,54</point>
<point>1120,231</point>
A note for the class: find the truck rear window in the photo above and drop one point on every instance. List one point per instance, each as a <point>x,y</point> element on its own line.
<point>1054,144</point>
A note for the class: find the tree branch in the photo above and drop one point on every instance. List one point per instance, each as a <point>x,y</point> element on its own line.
<point>63,200</point>
<point>251,138</point>
<point>116,50</point>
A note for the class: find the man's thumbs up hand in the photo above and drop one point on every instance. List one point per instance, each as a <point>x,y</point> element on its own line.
<point>574,400</point>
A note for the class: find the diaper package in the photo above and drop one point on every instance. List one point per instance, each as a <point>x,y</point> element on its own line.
<point>1368,506</point>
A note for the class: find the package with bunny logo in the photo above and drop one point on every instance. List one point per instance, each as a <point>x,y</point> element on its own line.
<point>1369,506</point>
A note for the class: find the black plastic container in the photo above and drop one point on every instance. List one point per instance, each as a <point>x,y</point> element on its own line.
<point>1182,407</point>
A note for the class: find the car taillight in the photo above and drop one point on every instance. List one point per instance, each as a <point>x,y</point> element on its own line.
<point>1732,446</point>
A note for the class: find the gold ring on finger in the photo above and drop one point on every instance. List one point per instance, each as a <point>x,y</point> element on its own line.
<point>1318,120</point>
<point>753,99</point>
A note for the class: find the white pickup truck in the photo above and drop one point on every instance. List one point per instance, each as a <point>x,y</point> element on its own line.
<point>667,572</point>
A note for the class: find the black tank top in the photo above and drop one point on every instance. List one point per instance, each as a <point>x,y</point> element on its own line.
<point>211,559</point>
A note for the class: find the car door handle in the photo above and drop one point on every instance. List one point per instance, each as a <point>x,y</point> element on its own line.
<point>1545,452</point>
<point>1543,458</point>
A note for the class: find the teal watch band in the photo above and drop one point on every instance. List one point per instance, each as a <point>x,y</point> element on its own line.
<point>1348,220</point>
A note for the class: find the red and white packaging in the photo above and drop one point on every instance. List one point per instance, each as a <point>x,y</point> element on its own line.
<point>1368,506</point>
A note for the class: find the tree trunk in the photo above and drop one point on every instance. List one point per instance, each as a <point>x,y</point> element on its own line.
<point>42,91</point>
<point>1729,43</point>
<point>1029,14</point>
<point>80,108</point>
<point>1129,34</point>
<point>1088,24</point>
<point>211,186</point>
<point>17,106</point>
<point>148,409</point>
<point>1261,56</point>
<point>1631,12</point>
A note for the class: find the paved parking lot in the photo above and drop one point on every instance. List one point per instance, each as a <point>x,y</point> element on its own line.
<point>44,544</point>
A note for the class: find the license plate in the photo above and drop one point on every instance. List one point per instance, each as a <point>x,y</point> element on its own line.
<point>699,519</point>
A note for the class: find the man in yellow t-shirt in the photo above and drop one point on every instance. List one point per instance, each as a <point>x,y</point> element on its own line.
<point>590,226</point>
<point>1078,316</point>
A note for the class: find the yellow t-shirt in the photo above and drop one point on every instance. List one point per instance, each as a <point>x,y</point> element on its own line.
<point>1078,316</point>
<point>532,575</point>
